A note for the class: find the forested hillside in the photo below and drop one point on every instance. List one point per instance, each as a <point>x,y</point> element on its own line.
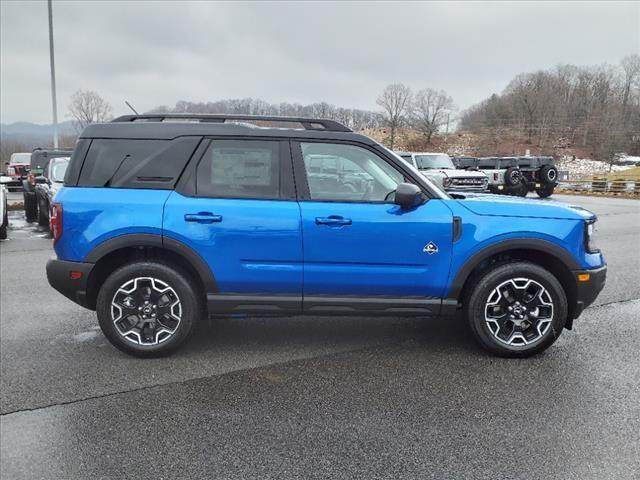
<point>596,109</point>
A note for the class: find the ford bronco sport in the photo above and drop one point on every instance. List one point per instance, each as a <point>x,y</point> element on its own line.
<point>164,219</point>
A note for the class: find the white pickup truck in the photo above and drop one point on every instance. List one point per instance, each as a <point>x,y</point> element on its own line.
<point>439,168</point>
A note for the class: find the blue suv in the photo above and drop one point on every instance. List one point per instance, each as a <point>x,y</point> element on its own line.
<point>164,219</point>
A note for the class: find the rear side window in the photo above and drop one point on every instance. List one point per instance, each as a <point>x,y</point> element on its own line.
<point>121,163</point>
<point>240,169</point>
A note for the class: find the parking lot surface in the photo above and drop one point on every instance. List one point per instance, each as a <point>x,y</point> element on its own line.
<point>319,397</point>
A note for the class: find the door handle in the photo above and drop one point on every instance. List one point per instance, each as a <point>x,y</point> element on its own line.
<point>202,217</point>
<point>333,221</point>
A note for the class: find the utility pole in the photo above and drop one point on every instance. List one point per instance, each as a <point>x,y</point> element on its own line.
<point>447,130</point>
<point>53,78</point>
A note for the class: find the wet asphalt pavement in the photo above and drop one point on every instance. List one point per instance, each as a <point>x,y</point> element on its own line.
<point>319,397</point>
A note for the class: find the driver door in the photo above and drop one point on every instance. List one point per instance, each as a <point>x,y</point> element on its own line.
<point>356,241</point>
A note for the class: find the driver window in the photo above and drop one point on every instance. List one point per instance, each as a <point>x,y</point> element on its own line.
<point>347,173</point>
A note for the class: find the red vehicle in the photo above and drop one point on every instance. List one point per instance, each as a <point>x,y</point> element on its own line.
<point>17,170</point>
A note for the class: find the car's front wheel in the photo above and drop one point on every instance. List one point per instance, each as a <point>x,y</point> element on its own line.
<point>43,212</point>
<point>30,207</point>
<point>148,308</point>
<point>5,225</point>
<point>517,309</point>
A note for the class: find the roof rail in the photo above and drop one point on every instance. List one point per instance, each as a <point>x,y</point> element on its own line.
<point>307,123</point>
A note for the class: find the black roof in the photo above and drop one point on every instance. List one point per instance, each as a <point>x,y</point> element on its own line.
<point>169,126</point>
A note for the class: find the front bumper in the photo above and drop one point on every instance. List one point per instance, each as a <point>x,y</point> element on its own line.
<point>589,289</point>
<point>70,279</point>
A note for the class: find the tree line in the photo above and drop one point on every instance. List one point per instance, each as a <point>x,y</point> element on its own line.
<point>353,118</point>
<point>569,106</point>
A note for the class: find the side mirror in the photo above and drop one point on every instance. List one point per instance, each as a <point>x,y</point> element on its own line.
<point>408,196</point>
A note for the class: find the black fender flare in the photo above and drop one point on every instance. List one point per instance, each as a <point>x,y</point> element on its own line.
<point>158,241</point>
<point>531,244</point>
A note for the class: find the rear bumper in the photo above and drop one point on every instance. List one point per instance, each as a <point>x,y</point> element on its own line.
<point>588,290</point>
<point>60,276</point>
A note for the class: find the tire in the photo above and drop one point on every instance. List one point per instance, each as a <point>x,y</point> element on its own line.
<point>43,212</point>
<point>5,225</point>
<point>521,190</point>
<point>148,277</point>
<point>545,191</point>
<point>30,207</point>
<point>548,174</point>
<point>512,176</point>
<point>533,335</point>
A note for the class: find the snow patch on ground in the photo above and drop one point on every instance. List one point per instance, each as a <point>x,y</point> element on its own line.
<point>586,166</point>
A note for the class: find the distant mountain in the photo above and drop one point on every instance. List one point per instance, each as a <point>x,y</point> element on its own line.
<point>33,135</point>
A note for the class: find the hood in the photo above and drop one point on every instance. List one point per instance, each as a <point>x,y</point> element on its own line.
<point>508,206</point>
<point>463,174</point>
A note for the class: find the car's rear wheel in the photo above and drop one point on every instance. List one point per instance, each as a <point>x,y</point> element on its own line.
<point>30,207</point>
<point>517,309</point>
<point>148,308</point>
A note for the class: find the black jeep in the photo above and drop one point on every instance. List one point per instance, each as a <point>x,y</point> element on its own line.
<point>40,159</point>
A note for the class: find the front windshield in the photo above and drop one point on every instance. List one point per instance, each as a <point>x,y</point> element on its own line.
<point>20,158</point>
<point>58,169</point>
<point>431,162</point>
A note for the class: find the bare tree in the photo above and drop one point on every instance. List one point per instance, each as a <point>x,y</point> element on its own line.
<point>597,108</point>
<point>352,118</point>
<point>430,110</point>
<point>88,107</point>
<point>631,77</point>
<point>395,101</point>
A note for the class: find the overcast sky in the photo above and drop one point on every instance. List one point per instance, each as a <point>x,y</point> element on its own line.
<point>156,53</point>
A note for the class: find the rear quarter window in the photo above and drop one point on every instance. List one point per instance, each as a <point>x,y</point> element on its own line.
<point>125,163</point>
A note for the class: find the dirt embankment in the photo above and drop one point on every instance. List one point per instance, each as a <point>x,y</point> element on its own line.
<point>466,143</point>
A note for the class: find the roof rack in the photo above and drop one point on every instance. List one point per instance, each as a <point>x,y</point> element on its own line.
<point>307,123</point>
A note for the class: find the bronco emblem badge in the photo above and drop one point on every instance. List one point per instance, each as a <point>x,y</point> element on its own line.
<point>430,248</point>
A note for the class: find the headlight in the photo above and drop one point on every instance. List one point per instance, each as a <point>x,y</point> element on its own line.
<point>589,241</point>
<point>446,182</point>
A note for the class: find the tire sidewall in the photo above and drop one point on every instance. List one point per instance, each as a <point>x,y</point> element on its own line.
<point>545,192</point>
<point>43,215</point>
<point>499,274</point>
<point>30,207</point>
<point>546,170</point>
<point>509,180</point>
<point>176,279</point>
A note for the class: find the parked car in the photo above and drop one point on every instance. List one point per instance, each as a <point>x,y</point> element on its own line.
<point>38,163</point>
<point>4,216</point>
<point>17,169</point>
<point>161,222</point>
<point>439,168</point>
<point>48,185</point>
<point>515,175</point>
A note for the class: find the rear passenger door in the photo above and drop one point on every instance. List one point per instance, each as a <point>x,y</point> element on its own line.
<point>236,207</point>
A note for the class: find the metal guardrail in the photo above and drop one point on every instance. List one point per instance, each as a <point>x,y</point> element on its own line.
<point>602,185</point>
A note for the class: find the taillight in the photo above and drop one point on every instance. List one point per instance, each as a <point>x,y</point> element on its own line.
<point>55,221</point>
